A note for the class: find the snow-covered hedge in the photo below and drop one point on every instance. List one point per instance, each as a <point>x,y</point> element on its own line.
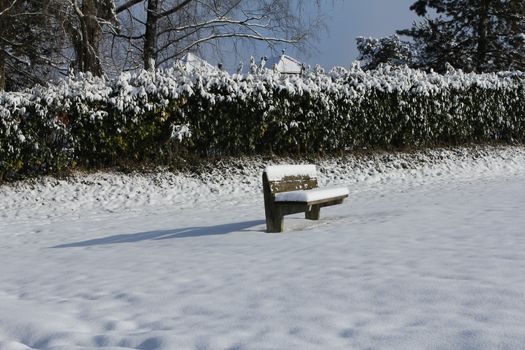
<point>152,117</point>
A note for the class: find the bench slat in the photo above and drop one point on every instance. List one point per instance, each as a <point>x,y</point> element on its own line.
<point>292,183</point>
<point>327,201</point>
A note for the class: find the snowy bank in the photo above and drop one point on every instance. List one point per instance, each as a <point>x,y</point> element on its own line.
<point>234,179</point>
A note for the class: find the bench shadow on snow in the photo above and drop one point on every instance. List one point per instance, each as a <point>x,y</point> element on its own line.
<point>167,234</point>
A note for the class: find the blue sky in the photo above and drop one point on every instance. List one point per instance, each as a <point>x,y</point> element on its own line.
<point>347,19</point>
<point>336,46</point>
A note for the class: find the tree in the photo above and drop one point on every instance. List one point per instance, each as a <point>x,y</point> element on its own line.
<point>172,28</point>
<point>389,50</point>
<point>85,20</point>
<point>474,35</point>
<point>30,41</point>
<point>42,37</point>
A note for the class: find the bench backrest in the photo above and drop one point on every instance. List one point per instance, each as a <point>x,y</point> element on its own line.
<point>285,178</point>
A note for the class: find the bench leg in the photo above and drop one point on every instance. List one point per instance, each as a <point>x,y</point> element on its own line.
<point>314,213</point>
<point>274,223</point>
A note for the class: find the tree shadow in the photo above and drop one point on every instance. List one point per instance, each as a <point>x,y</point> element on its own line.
<point>186,232</point>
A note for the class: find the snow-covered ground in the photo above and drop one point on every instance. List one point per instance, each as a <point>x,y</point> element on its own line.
<point>428,252</point>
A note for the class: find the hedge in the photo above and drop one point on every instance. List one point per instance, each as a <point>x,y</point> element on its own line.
<point>155,117</point>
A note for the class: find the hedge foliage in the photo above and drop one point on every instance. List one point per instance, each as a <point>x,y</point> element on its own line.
<point>154,117</point>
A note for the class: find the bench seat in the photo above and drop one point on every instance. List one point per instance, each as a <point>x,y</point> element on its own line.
<point>313,195</point>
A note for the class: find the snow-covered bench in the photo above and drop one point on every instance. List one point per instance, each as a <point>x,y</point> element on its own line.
<point>291,189</point>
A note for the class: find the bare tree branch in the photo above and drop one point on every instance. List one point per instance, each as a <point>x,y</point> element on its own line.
<point>229,35</point>
<point>174,9</point>
<point>127,5</point>
<point>8,8</point>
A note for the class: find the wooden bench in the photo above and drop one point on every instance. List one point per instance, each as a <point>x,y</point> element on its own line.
<point>291,189</point>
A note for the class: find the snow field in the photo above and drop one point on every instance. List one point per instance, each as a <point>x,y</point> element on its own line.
<point>426,256</point>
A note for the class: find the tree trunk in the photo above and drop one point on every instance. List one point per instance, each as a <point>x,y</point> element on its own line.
<point>2,72</point>
<point>3,5</point>
<point>87,40</point>
<point>94,37</point>
<point>481,52</point>
<point>150,39</point>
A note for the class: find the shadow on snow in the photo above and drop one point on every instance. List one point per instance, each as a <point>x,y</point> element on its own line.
<point>166,234</point>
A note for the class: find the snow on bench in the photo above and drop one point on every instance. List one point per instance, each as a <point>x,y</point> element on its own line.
<point>279,172</point>
<point>291,189</point>
<point>312,195</point>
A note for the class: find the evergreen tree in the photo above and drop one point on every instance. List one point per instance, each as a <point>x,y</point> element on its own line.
<point>474,35</point>
<point>389,50</point>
